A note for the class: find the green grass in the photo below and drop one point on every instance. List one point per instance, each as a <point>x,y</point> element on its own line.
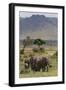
<point>47,53</point>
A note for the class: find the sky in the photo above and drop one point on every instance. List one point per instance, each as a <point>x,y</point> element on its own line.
<point>29,14</point>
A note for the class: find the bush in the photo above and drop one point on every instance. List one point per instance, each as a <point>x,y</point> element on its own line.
<point>54,55</point>
<point>35,50</point>
<point>24,71</point>
<point>25,56</point>
<point>42,49</point>
<point>21,58</point>
<point>22,51</point>
<point>31,55</point>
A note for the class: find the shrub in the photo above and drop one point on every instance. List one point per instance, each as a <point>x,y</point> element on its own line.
<point>35,50</point>
<point>42,49</point>
<point>22,51</point>
<point>31,55</point>
<point>24,71</point>
<point>54,55</point>
<point>25,56</point>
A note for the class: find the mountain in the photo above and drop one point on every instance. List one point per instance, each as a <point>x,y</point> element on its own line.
<point>38,26</point>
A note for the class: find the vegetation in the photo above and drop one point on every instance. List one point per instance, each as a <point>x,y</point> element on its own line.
<point>39,42</point>
<point>49,52</point>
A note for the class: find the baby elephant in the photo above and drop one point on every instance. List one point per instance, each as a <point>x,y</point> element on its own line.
<point>27,64</point>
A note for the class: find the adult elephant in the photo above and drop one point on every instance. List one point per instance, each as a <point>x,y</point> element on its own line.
<point>34,62</point>
<point>44,64</point>
<point>37,64</point>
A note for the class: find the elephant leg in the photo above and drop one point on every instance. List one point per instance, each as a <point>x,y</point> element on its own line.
<point>39,69</point>
<point>47,68</point>
<point>43,69</point>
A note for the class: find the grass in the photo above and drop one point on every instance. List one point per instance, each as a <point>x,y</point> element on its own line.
<point>49,52</point>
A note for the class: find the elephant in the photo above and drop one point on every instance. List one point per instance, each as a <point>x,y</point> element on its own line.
<point>44,64</point>
<point>37,64</point>
<point>27,63</point>
<point>34,64</point>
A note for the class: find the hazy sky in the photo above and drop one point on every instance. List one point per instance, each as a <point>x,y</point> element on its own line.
<point>28,14</point>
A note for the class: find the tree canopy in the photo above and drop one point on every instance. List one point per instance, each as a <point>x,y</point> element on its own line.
<point>39,42</point>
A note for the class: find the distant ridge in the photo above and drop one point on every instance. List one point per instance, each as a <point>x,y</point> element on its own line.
<point>39,26</point>
<point>48,42</point>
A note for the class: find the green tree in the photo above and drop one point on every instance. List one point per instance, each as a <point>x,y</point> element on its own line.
<point>39,42</point>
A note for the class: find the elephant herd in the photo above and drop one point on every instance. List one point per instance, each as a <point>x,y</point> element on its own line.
<point>37,64</point>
